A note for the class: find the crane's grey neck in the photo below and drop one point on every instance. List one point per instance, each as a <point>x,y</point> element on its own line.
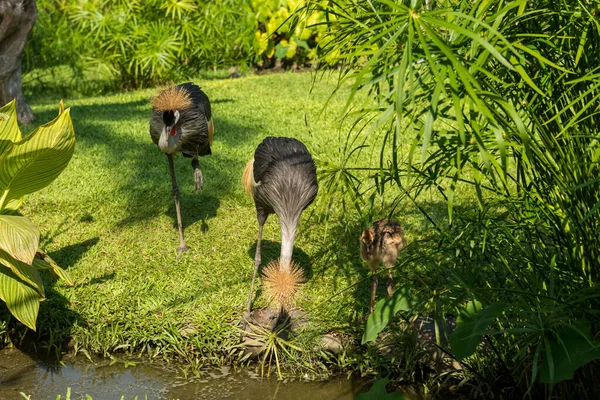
<point>288,236</point>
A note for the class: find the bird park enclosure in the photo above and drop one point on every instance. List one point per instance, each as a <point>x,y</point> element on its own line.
<point>110,221</point>
<point>470,126</point>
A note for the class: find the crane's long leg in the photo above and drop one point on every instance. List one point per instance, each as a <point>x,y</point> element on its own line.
<point>198,179</point>
<point>182,247</point>
<point>257,261</point>
<point>373,286</point>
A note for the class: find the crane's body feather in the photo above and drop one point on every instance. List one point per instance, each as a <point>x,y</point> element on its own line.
<point>285,178</point>
<point>282,179</point>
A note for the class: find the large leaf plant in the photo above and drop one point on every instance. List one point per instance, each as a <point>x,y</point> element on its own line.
<point>500,99</point>
<point>28,164</point>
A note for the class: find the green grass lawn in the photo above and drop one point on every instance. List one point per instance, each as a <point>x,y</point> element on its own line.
<point>110,221</point>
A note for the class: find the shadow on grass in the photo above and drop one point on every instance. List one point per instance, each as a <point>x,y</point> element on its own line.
<point>139,170</point>
<point>67,256</point>
<point>56,317</point>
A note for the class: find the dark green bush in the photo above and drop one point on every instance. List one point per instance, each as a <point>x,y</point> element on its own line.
<point>500,98</point>
<point>141,42</point>
<point>137,43</point>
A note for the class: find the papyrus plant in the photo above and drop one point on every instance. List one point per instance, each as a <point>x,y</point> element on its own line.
<point>27,164</point>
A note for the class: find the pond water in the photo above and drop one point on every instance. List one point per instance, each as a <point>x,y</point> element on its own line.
<point>105,381</point>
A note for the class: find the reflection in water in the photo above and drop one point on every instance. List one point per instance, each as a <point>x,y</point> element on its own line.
<point>103,381</point>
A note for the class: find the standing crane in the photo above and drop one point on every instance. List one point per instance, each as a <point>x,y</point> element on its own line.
<point>282,179</point>
<point>181,122</point>
<point>380,243</point>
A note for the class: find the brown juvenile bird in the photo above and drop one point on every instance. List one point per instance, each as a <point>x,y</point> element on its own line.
<point>380,244</point>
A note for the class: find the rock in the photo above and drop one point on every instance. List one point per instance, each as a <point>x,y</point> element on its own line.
<point>188,330</point>
<point>234,73</point>
<point>258,319</point>
<point>264,317</point>
<point>331,343</point>
<point>298,318</point>
<point>267,319</point>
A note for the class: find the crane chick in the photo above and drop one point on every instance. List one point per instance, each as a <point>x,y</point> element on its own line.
<point>282,179</point>
<point>181,122</point>
<point>381,243</point>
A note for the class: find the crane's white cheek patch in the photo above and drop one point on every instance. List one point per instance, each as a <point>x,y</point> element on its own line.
<point>167,143</point>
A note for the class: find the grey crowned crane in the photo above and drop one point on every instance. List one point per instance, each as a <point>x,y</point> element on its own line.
<point>181,122</point>
<point>282,179</point>
<point>381,243</point>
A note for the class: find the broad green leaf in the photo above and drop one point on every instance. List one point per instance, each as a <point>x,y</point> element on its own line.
<point>281,50</point>
<point>471,324</point>
<point>377,392</point>
<point>9,129</point>
<point>43,261</point>
<point>572,349</point>
<point>19,237</point>
<point>34,162</point>
<point>25,272</point>
<point>20,298</point>
<point>385,310</point>
<point>302,43</point>
<point>12,205</point>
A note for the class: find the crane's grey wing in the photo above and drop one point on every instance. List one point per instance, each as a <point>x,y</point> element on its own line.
<point>199,99</point>
<point>195,123</point>
<point>287,176</point>
<point>273,149</point>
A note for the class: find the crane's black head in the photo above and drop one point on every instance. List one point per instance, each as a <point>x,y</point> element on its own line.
<point>169,117</point>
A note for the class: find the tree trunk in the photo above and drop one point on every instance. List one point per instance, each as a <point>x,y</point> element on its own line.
<point>17,19</point>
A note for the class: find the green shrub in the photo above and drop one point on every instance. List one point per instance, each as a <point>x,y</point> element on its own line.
<point>27,164</point>
<point>138,43</point>
<point>280,38</point>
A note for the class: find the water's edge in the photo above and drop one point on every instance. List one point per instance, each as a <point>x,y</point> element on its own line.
<point>105,380</point>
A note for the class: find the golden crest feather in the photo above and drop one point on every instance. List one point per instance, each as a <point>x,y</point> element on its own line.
<point>171,98</point>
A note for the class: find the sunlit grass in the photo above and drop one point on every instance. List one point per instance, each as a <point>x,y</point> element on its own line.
<point>109,219</point>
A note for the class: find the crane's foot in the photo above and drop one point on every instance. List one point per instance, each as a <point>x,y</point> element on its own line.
<point>198,179</point>
<point>182,249</point>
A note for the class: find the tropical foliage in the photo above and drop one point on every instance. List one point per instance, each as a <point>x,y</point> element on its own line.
<point>501,98</point>
<point>278,38</point>
<point>27,164</point>
<point>137,43</point>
